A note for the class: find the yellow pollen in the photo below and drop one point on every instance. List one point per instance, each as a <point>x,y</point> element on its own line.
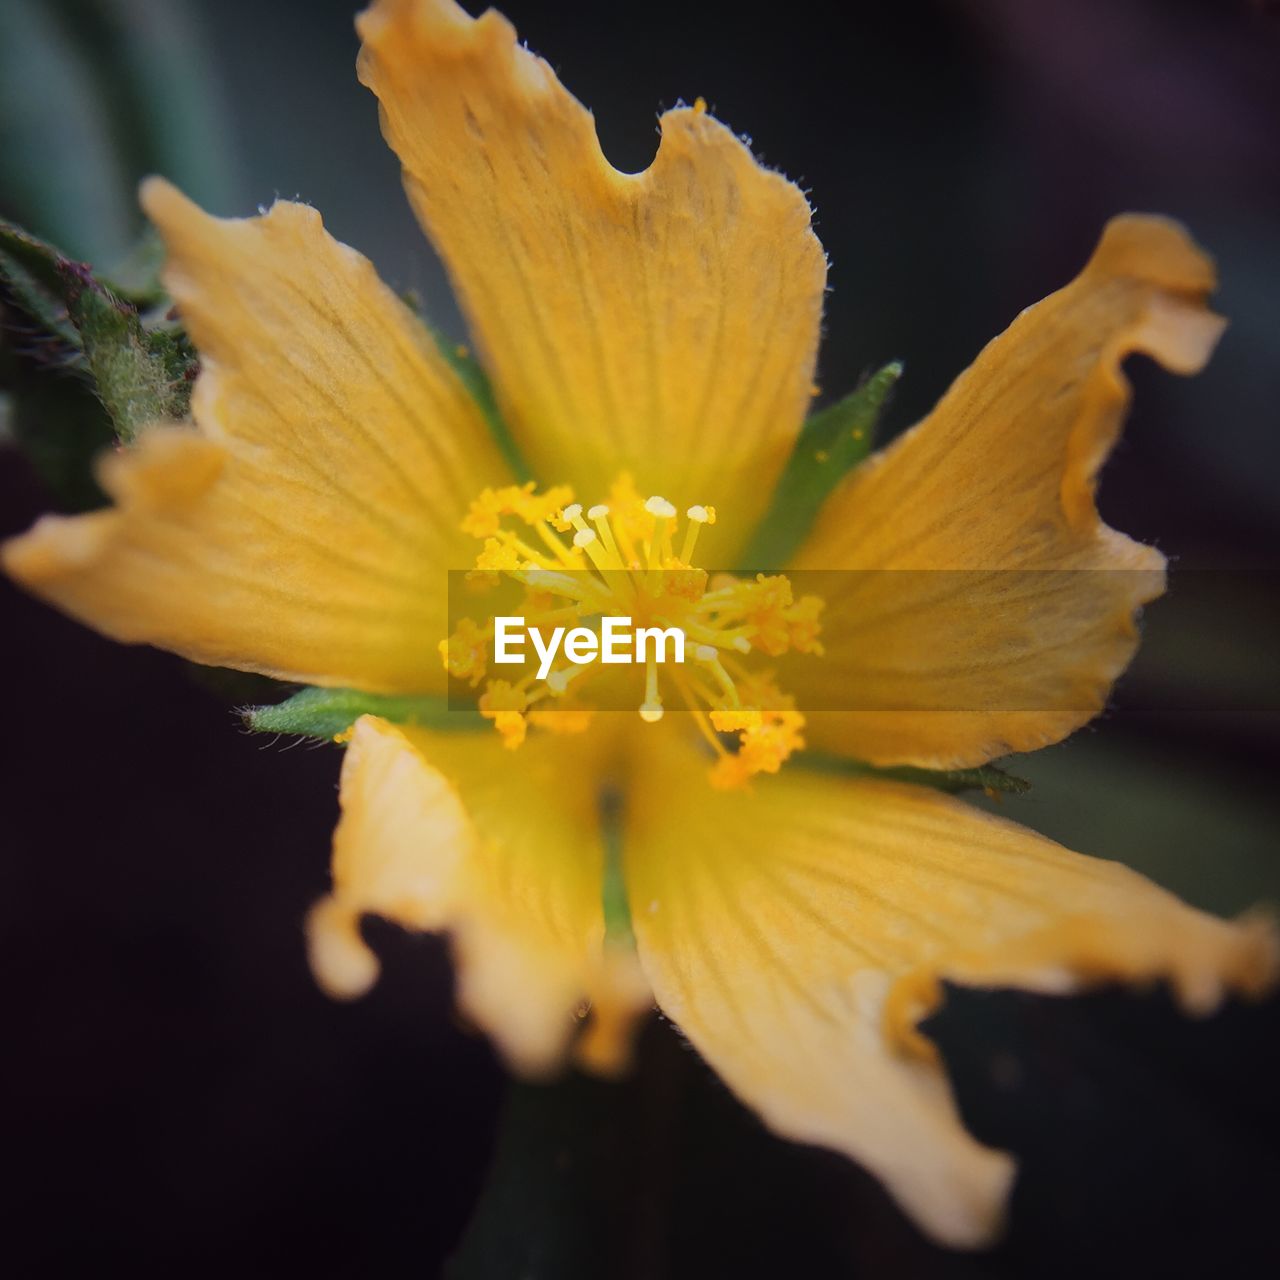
<point>618,559</point>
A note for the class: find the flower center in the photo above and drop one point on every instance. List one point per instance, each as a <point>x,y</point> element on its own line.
<point>633,558</point>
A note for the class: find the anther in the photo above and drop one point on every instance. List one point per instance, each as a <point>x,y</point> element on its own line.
<point>651,707</point>
<point>660,545</point>
<point>697,517</point>
<point>558,680</point>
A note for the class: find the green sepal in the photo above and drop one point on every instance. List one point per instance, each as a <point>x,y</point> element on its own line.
<point>473,377</point>
<point>31,280</point>
<point>985,777</point>
<point>141,375</point>
<point>325,714</point>
<point>832,442</point>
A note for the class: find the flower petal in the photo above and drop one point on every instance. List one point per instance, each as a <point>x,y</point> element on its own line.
<point>798,933</point>
<point>503,849</point>
<point>1017,641</point>
<point>663,323</point>
<point>305,528</point>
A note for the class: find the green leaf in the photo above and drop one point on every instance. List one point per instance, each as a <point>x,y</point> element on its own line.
<point>985,777</point>
<point>832,442</point>
<point>324,714</point>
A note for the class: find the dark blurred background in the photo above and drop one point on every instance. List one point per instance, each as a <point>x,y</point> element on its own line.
<point>180,1097</point>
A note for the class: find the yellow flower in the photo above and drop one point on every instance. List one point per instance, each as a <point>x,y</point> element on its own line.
<point>655,334</point>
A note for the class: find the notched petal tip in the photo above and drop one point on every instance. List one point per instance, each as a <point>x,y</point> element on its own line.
<point>166,469</point>
<point>1255,968</point>
<point>1176,326</point>
<point>688,135</point>
<point>968,1208</point>
<point>343,964</point>
<point>189,230</point>
<point>390,29</point>
<point>53,546</point>
<point>443,833</point>
<point>382,18</point>
<point>1147,246</point>
<point>505,170</point>
<point>1002,475</point>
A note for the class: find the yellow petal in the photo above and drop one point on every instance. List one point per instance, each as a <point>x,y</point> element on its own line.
<point>304,529</point>
<point>663,323</point>
<point>1018,642</point>
<point>797,934</point>
<point>503,849</point>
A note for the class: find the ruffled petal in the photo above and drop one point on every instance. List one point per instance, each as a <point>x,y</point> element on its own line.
<point>305,527</point>
<point>502,849</point>
<point>996,609</point>
<point>662,323</point>
<point>799,932</point>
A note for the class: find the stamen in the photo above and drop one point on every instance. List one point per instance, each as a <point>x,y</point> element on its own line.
<point>581,587</point>
<point>558,680</point>
<point>709,655</point>
<point>599,516</point>
<point>697,517</point>
<point>699,717</point>
<point>586,540</point>
<point>555,546</point>
<point>617,559</point>
<point>721,639</point>
<point>659,545</point>
<point>651,707</point>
